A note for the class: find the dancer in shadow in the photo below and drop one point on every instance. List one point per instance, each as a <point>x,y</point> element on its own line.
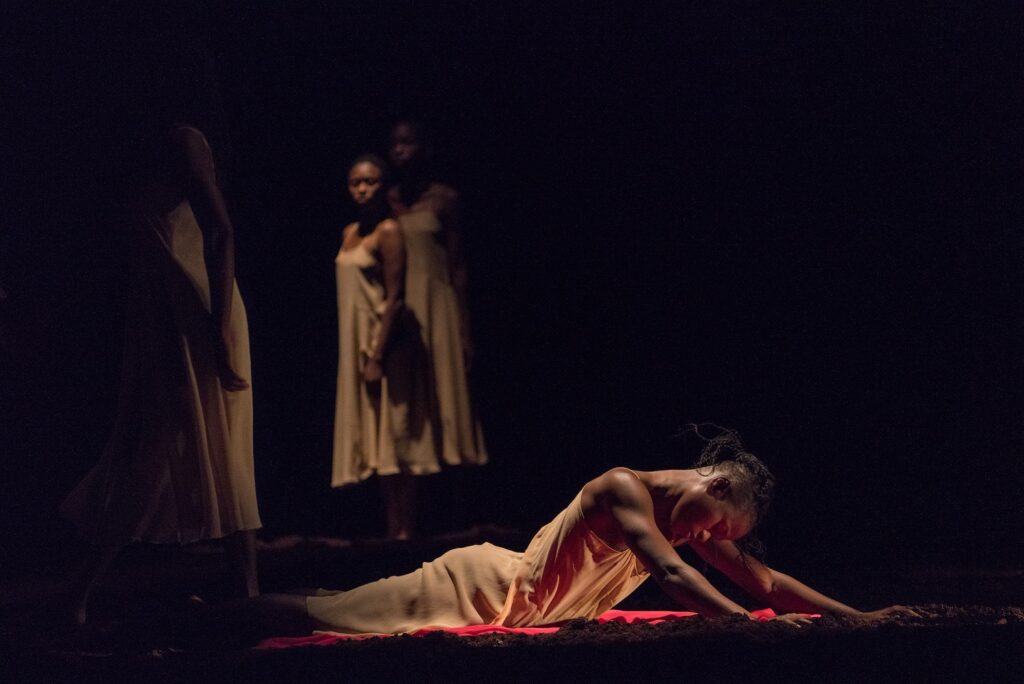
<point>178,466</point>
<point>380,423</point>
<point>436,287</point>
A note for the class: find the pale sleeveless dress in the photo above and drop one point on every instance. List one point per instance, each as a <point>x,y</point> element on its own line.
<point>566,572</point>
<point>429,294</point>
<point>179,463</point>
<point>381,428</point>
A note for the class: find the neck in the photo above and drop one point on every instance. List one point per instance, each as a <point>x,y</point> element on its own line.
<point>667,488</point>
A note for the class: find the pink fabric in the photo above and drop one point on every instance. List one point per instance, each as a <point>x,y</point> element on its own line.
<point>629,617</point>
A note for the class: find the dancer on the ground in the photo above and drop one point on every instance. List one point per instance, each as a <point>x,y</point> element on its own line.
<point>620,529</point>
<point>381,422</point>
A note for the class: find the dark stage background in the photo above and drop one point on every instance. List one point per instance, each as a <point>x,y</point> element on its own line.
<point>795,222</point>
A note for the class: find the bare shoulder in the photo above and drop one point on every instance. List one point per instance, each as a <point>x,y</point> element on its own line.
<point>191,140</point>
<point>346,237</point>
<point>616,495</point>
<point>388,227</point>
<point>388,238</point>
<point>443,191</point>
<point>193,152</point>
<point>444,197</point>
<point>619,484</point>
<point>187,132</point>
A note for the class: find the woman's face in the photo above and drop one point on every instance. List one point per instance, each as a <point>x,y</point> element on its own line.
<point>405,145</point>
<point>364,181</point>
<point>705,514</point>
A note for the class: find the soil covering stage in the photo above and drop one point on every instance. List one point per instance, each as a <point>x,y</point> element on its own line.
<point>134,637</point>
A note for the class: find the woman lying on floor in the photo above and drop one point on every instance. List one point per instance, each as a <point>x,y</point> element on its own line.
<point>620,529</point>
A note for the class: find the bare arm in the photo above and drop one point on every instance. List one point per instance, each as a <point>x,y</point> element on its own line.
<point>629,504</point>
<point>391,249</point>
<point>218,244</point>
<point>775,589</point>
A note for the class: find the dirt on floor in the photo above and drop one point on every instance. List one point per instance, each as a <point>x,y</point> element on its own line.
<point>952,643</point>
<point>972,631</point>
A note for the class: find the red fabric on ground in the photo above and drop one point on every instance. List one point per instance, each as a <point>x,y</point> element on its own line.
<point>651,617</point>
<point>630,617</point>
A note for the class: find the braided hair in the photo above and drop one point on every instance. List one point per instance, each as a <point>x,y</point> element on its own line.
<point>752,485</point>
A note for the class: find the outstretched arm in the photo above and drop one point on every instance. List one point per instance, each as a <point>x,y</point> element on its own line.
<point>777,590</point>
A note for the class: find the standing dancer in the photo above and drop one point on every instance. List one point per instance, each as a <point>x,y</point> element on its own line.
<point>178,467</point>
<point>436,293</point>
<point>381,422</point>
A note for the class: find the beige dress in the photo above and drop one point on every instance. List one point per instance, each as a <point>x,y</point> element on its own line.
<point>566,572</point>
<point>179,463</point>
<point>380,428</point>
<point>429,294</point>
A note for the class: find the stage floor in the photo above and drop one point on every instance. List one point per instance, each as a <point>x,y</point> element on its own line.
<point>975,632</point>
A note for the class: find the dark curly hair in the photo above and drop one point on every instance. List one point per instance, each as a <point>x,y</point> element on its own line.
<point>752,485</point>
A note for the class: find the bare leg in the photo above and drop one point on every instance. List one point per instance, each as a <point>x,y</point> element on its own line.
<point>241,554</point>
<point>87,577</point>
<point>400,503</point>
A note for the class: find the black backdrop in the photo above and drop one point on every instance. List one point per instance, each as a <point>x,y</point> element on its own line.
<point>794,222</point>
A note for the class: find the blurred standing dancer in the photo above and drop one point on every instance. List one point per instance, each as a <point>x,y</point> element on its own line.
<point>436,292</point>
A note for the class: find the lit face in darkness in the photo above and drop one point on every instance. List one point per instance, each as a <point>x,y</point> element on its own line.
<point>709,514</point>
<point>364,181</point>
<point>405,144</point>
